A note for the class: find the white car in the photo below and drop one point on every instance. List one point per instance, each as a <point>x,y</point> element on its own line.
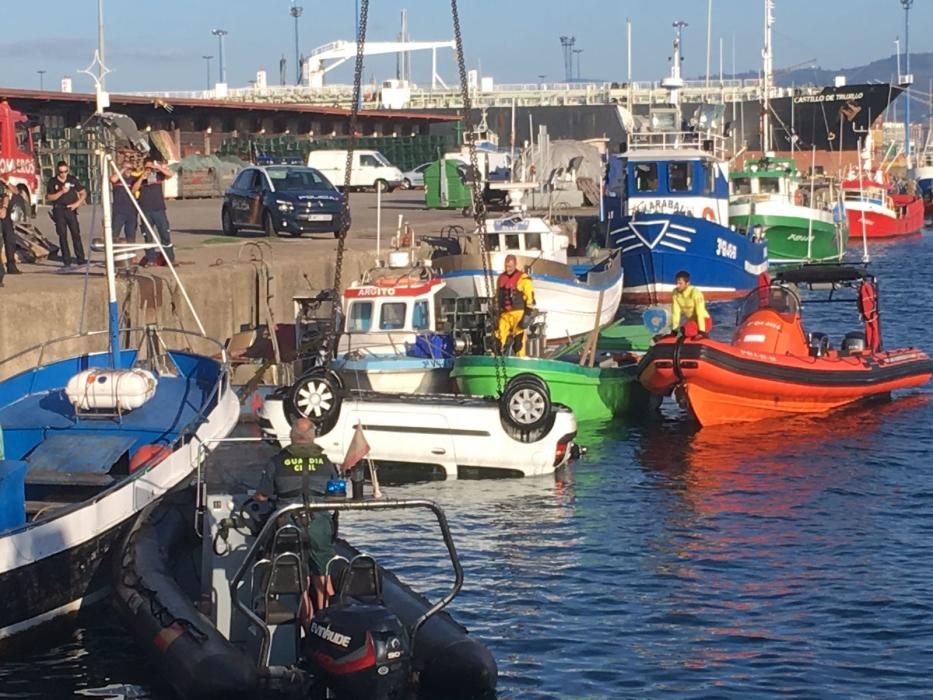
<point>415,177</point>
<point>439,436</point>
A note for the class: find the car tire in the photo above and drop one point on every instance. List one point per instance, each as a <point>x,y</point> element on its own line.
<point>526,403</point>
<point>316,396</point>
<point>226,222</point>
<point>385,185</point>
<point>406,184</point>
<point>268,224</point>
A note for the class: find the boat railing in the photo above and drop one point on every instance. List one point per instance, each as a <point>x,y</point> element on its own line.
<point>271,526</point>
<point>90,337</point>
<point>714,144</point>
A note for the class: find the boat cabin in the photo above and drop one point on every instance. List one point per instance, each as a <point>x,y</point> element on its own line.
<point>764,179</point>
<point>391,306</point>
<point>530,237</point>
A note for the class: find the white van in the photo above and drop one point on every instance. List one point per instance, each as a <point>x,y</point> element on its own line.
<point>369,168</point>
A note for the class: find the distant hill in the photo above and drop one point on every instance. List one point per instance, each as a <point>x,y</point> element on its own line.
<point>883,70</point>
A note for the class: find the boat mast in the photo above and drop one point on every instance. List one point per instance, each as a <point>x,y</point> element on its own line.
<point>768,70</point>
<point>674,83</point>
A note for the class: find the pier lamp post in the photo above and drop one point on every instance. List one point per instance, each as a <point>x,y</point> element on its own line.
<point>220,34</point>
<point>295,12</point>
<point>207,59</point>
<point>41,79</point>
<point>908,78</point>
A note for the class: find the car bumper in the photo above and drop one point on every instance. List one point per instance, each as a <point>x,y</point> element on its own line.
<point>301,224</point>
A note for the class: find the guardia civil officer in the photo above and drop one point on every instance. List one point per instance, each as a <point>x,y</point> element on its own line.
<point>300,472</point>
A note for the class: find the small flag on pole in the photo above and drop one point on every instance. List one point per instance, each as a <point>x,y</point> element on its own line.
<point>357,450</point>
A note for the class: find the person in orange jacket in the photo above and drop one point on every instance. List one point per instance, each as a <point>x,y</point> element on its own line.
<point>516,297</point>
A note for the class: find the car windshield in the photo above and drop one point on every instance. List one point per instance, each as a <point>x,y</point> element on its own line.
<point>297,179</point>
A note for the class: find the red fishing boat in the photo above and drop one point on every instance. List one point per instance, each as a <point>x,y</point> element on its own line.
<point>773,368</point>
<point>873,211</point>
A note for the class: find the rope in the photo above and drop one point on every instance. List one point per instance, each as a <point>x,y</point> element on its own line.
<point>479,205</point>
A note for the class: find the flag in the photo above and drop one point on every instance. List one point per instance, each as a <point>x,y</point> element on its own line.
<point>358,449</point>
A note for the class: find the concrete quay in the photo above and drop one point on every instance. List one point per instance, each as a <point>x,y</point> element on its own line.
<point>221,275</point>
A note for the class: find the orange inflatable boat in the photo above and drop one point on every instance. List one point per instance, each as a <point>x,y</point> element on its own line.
<point>772,368</point>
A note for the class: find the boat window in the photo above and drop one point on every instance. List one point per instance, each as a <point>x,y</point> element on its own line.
<point>392,317</point>
<point>360,317</point>
<point>646,177</point>
<point>513,241</point>
<point>680,177</point>
<point>742,185</point>
<point>780,299</point>
<point>769,185</point>
<point>709,178</point>
<point>421,316</point>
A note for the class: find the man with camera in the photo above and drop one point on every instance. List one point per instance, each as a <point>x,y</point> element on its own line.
<point>148,187</point>
<point>66,194</point>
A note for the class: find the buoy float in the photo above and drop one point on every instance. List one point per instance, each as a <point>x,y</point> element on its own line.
<point>709,214</point>
<point>149,455</point>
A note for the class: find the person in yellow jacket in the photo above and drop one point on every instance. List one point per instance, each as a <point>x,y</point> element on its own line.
<point>516,296</point>
<point>688,303</point>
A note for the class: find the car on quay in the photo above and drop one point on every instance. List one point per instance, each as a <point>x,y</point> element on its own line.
<point>415,177</point>
<point>281,199</point>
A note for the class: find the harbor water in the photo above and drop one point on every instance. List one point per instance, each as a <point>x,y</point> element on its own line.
<point>787,559</point>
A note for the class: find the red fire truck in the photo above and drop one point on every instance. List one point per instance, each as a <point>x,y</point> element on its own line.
<point>18,157</point>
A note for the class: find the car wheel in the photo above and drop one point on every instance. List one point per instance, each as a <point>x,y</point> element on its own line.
<point>385,185</point>
<point>406,184</point>
<point>226,221</point>
<point>526,403</point>
<point>316,396</point>
<point>268,225</point>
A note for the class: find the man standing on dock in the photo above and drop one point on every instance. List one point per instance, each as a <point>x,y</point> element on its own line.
<point>66,194</point>
<point>516,297</point>
<point>152,201</point>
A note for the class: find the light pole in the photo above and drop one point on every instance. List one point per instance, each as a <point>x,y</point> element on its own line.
<point>908,79</point>
<point>207,59</point>
<point>220,34</point>
<point>578,52</point>
<point>41,81</point>
<point>295,12</point>
<point>100,42</point>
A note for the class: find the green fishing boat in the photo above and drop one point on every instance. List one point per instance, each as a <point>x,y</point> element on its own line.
<point>608,388</point>
<point>797,219</point>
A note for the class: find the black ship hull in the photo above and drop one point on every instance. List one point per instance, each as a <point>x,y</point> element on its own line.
<point>830,119</point>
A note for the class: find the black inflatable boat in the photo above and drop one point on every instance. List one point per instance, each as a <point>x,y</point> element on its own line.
<point>219,611</point>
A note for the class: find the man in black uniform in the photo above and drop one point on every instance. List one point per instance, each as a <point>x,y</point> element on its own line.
<point>7,195</point>
<point>301,472</point>
<point>65,193</point>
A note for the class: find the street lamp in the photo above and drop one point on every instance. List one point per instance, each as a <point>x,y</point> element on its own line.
<point>220,34</point>
<point>578,52</point>
<point>41,76</point>
<point>207,59</point>
<point>295,12</point>
<point>908,78</point>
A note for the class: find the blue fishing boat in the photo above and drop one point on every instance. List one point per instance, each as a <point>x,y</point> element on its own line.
<point>667,204</point>
<point>92,433</point>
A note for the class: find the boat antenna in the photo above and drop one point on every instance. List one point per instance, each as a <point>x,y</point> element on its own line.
<point>102,101</point>
<point>768,71</point>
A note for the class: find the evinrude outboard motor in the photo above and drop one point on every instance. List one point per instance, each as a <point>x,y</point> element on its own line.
<point>356,646</point>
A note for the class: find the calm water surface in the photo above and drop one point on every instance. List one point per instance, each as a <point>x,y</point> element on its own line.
<point>787,559</point>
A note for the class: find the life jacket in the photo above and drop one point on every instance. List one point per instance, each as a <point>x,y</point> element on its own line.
<point>510,297</point>
<point>302,468</point>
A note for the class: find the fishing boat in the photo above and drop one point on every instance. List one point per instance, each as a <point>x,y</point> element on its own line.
<point>599,389</point>
<point>574,293</point>
<point>225,616</point>
<point>872,207</point>
<point>390,341</point>
<point>773,368</point>
<point>667,203</point>
<point>923,174</point>
<point>801,224</point>
<point>93,431</point>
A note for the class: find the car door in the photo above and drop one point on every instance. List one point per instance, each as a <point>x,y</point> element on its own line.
<point>253,209</point>
<point>236,195</point>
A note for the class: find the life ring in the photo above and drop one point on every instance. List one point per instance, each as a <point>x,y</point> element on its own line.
<point>709,214</point>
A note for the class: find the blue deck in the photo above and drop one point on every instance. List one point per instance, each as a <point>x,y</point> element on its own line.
<point>34,408</point>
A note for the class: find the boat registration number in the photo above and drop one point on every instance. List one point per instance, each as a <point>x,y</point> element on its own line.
<point>724,249</point>
<point>317,217</point>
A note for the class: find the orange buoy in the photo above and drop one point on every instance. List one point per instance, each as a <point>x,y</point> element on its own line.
<point>149,455</point>
<point>709,214</point>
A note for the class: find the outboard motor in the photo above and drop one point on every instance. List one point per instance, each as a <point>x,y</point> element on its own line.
<point>853,343</point>
<point>356,647</point>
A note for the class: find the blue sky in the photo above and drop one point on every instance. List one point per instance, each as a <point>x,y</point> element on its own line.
<point>159,45</point>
